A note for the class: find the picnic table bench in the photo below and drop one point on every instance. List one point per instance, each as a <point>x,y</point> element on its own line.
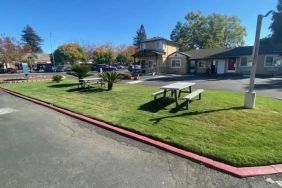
<point>192,95</point>
<point>85,82</point>
<point>161,92</point>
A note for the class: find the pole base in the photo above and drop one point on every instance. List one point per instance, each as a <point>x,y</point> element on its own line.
<point>250,99</point>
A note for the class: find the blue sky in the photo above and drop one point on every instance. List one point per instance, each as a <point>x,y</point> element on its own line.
<point>99,21</point>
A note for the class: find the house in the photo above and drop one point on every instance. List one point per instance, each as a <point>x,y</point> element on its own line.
<point>239,60</point>
<point>153,54</point>
<point>163,56</point>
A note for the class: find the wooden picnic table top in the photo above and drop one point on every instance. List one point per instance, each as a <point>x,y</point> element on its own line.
<point>178,85</point>
<point>90,79</point>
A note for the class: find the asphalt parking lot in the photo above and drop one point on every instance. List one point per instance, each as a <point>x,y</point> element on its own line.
<point>270,86</point>
<point>43,148</point>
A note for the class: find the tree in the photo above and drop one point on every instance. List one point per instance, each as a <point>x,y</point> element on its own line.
<point>212,31</point>
<point>80,71</point>
<point>11,52</point>
<point>111,78</point>
<point>276,25</point>
<point>140,36</point>
<point>104,54</point>
<point>30,59</point>
<point>124,54</point>
<point>30,38</point>
<point>69,53</point>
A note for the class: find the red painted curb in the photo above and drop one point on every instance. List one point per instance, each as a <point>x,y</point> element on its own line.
<point>236,171</point>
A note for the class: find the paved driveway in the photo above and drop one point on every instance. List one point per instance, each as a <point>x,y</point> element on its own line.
<point>43,148</point>
<point>265,86</point>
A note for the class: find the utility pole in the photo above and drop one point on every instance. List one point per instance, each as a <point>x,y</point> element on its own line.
<point>250,96</point>
<point>52,50</point>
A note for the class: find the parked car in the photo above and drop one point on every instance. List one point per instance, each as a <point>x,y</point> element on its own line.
<point>104,67</point>
<point>3,70</point>
<point>132,68</point>
<point>60,68</point>
<point>12,70</point>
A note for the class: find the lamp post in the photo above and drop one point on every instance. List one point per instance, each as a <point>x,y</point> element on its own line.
<point>250,96</point>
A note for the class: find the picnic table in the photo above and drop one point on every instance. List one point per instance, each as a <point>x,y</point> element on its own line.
<point>176,89</point>
<point>86,81</point>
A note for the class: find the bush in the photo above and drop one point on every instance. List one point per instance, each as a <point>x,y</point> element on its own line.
<point>80,71</point>
<point>57,78</point>
<point>111,78</point>
<point>125,76</point>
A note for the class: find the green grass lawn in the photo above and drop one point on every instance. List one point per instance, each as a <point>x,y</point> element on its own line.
<point>216,127</point>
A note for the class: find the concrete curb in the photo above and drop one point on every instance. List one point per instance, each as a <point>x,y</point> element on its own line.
<point>236,171</point>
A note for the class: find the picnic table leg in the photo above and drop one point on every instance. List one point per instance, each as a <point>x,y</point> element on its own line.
<point>179,93</point>
<point>164,93</point>
<point>187,104</point>
<point>176,97</point>
<point>190,89</point>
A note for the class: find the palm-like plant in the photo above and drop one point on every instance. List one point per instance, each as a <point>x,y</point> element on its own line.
<point>111,78</point>
<point>80,71</point>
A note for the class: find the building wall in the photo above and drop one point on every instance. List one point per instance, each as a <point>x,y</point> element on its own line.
<point>261,68</point>
<point>183,69</point>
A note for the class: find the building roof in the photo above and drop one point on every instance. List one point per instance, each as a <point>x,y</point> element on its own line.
<point>204,53</point>
<point>147,53</point>
<point>248,50</point>
<point>161,38</point>
<point>40,57</point>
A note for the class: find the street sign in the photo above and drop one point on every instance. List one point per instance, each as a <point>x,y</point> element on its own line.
<point>25,69</point>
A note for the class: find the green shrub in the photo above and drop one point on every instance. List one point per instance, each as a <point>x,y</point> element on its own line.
<point>80,71</point>
<point>111,78</point>
<point>57,78</point>
<point>125,76</point>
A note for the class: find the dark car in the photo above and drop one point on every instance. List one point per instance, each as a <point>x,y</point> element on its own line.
<point>2,70</point>
<point>104,67</point>
<point>12,70</point>
<point>60,68</point>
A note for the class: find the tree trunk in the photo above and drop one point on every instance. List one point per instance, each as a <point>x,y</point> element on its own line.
<point>110,86</point>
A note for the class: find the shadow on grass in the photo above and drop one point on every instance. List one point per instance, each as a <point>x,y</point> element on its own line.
<point>156,105</point>
<point>157,120</point>
<point>63,85</point>
<point>87,90</point>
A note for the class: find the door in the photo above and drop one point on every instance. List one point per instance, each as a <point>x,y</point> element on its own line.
<point>220,66</point>
<point>231,65</point>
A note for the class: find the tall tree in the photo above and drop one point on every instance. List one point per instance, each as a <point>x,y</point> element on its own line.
<point>32,39</point>
<point>11,51</point>
<point>104,54</point>
<point>140,36</point>
<point>212,31</point>
<point>276,26</point>
<point>69,53</point>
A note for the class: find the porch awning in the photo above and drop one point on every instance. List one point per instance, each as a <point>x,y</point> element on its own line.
<point>147,53</point>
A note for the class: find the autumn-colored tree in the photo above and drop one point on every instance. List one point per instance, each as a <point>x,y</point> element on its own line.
<point>124,54</point>
<point>69,53</point>
<point>11,52</point>
<point>104,54</point>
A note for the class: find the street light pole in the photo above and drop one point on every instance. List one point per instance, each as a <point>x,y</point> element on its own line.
<point>54,63</point>
<point>250,96</point>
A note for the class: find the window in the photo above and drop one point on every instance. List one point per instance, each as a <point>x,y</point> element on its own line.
<point>150,63</point>
<point>142,46</point>
<point>202,64</point>
<point>192,63</point>
<point>273,61</point>
<point>159,44</point>
<point>246,61</point>
<point>175,63</point>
